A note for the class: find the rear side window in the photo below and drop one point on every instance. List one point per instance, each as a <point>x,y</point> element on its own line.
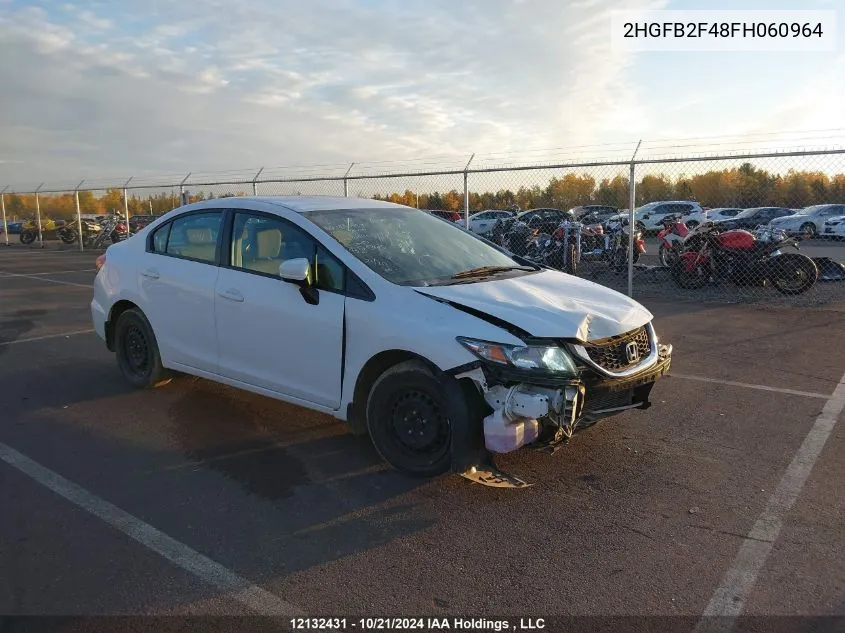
<point>195,236</point>
<point>160,238</point>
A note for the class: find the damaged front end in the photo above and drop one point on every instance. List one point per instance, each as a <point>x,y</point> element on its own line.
<point>539,399</point>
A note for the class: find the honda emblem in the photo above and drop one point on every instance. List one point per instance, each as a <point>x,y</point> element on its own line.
<point>632,352</point>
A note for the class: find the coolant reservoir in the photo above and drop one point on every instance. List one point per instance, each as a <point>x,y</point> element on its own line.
<point>502,436</point>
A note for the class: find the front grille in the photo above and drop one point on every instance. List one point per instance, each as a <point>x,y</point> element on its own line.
<point>611,353</point>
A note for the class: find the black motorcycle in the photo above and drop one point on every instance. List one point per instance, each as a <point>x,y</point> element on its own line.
<point>744,259</point>
<point>69,233</point>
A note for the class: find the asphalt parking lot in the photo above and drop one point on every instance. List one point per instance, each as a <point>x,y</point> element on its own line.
<point>194,498</point>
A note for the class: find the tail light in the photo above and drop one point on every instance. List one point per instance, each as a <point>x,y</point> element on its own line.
<point>101,261</point>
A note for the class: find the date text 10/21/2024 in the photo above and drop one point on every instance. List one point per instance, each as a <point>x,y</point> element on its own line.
<point>466,625</point>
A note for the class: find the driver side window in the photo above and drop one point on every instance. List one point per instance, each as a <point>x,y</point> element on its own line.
<point>261,243</point>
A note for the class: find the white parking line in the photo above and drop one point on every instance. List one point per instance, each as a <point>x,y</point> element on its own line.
<point>733,383</point>
<point>46,336</point>
<point>52,272</point>
<point>729,599</point>
<point>52,281</point>
<point>255,598</point>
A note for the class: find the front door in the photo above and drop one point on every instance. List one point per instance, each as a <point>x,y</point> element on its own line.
<point>268,336</point>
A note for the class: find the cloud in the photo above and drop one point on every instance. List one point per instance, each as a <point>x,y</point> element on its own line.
<point>101,89</point>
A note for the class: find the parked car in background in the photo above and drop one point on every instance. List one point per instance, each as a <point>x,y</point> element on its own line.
<point>138,222</point>
<point>650,216</point>
<point>834,228</point>
<point>754,217</point>
<point>544,220</point>
<point>809,221</point>
<point>717,214</point>
<point>596,212</point>
<point>14,227</point>
<point>451,216</point>
<point>482,223</point>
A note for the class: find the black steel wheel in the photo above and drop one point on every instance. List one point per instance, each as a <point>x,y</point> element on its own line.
<point>137,351</point>
<point>408,420</point>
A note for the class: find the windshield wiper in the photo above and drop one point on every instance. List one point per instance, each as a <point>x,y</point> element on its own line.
<point>482,271</point>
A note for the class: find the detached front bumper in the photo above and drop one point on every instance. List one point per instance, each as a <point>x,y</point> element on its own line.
<point>544,413</point>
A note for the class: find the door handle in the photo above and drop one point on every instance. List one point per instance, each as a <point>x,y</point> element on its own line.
<point>231,294</point>
<point>150,273</point>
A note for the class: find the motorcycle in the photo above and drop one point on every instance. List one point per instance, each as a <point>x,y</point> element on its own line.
<point>618,249</point>
<point>671,237</point>
<point>741,257</point>
<point>90,230</point>
<point>29,230</point>
<point>519,239</point>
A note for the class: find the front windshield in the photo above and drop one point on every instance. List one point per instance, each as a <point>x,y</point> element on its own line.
<point>407,246</point>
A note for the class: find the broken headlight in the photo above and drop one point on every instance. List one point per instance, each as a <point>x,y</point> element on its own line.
<point>552,359</point>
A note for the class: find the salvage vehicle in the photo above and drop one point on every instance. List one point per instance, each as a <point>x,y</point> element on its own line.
<point>444,348</point>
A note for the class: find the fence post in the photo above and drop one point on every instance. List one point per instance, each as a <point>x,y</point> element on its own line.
<point>346,182</point>
<point>255,182</point>
<point>78,215</point>
<point>38,215</point>
<point>182,189</point>
<point>632,185</point>
<point>126,205</point>
<point>3,206</point>
<point>466,192</point>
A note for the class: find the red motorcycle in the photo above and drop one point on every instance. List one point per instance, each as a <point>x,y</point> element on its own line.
<point>672,237</point>
<point>713,256</point>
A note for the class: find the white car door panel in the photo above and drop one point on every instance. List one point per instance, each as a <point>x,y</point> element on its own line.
<point>178,293</point>
<point>268,336</point>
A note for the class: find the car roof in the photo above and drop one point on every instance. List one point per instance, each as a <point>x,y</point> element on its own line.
<point>301,204</point>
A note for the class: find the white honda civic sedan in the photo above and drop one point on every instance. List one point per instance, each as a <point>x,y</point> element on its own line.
<point>443,347</point>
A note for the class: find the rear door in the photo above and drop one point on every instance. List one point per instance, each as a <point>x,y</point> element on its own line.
<point>176,280</point>
<point>268,336</point>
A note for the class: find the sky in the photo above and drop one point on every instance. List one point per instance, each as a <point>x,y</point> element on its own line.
<point>102,90</point>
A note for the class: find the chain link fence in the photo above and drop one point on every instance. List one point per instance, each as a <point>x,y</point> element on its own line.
<point>753,227</point>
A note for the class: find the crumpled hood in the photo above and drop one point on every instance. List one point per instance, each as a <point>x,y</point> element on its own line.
<point>550,304</point>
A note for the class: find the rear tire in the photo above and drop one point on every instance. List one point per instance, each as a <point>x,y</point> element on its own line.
<point>27,236</point>
<point>793,273</point>
<point>408,420</point>
<point>68,237</point>
<point>137,351</point>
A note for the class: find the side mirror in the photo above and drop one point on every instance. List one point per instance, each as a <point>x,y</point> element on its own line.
<point>295,271</point>
<point>298,271</point>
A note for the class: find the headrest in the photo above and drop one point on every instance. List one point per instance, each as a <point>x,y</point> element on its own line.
<point>269,243</point>
<point>200,236</point>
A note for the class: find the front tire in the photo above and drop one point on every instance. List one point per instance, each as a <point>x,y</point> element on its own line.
<point>137,351</point>
<point>809,229</point>
<point>408,421</point>
<point>689,279</point>
<point>69,236</point>
<point>27,237</point>
<point>572,260</point>
<point>793,274</point>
